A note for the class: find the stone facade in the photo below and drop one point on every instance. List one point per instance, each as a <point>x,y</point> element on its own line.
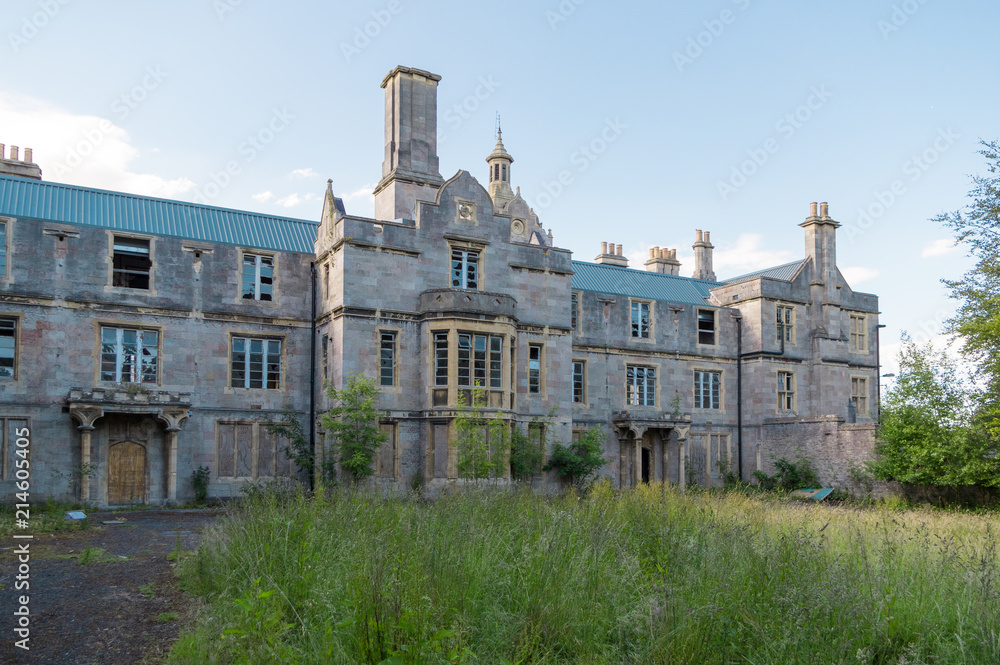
<point>453,283</point>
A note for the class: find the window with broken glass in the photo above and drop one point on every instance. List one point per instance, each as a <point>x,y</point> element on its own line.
<point>579,383</point>
<point>129,355</point>
<point>8,347</point>
<point>707,388</point>
<point>640,319</point>
<point>131,264</point>
<point>464,268</point>
<point>387,358</point>
<point>256,363</point>
<point>479,361</point>
<point>640,385</point>
<point>534,368</point>
<point>786,391</point>
<point>706,326</point>
<point>258,277</point>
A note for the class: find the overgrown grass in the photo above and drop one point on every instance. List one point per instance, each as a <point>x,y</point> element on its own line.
<point>646,576</point>
<point>44,517</point>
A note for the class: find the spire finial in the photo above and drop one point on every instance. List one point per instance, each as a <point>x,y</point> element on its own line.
<point>499,131</point>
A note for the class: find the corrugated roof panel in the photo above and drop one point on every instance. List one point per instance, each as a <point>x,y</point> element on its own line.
<point>69,204</point>
<point>640,283</point>
<point>783,272</point>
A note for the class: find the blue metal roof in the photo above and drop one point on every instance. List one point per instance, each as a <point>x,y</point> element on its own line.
<point>640,283</point>
<point>783,272</point>
<point>69,204</point>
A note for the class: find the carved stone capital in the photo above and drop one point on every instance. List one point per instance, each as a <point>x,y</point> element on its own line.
<point>173,418</point>
<point>86,415</point>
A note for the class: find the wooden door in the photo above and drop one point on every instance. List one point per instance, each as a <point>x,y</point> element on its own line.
<point>126,473</point>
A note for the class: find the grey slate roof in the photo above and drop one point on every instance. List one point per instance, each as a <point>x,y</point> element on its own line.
<point>640,283</point>
<point>70,204</point>
<point>783,272</point>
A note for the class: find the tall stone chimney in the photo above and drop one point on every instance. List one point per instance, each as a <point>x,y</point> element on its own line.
<point>611,255</point>
<point>821,252</point>
<point>15,166</point>
<point>703,257</point>
<point>663,261</point>
<point>410,169</point>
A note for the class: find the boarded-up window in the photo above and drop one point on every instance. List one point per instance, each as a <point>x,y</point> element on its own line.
<point>440,450</point>
<point>386,464</point>
<point>13,430</point>
<point>250,450</point>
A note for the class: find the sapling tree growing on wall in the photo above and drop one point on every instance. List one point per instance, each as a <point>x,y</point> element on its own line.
<point>352,425</point>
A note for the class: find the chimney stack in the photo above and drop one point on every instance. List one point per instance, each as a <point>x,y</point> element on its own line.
<point>15,167</point>
<point>663,261</point>
<point>703,257</point>
<point>410,169</point>
<point>611,255</point>
<point>821,254</point>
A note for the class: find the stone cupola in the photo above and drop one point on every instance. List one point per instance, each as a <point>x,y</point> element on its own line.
<point>499,163</point>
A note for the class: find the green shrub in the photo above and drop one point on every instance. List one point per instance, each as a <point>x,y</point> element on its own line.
<point>200,478</point>
<point>790,476</point>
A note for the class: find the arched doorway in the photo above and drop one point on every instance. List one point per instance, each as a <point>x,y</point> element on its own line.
<point>126,473</point>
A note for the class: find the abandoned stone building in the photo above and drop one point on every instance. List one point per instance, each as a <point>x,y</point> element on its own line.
<point>142,338</point>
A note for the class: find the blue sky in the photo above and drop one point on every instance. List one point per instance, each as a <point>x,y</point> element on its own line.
<point>729,116</point>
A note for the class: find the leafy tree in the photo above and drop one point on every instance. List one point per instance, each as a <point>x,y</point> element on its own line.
<point>298,449</point>
<point>581,459</point>
<point>929,434</point>
<point>353,427</point>
<point>482,442</point>
<point>526,456</point>
<point>977,321</point>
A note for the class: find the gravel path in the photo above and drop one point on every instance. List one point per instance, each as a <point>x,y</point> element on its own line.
<point>121,608</point>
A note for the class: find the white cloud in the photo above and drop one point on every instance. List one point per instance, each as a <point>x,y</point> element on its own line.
<point>303,173</point>
<point>85,150</point>
<point>294,199</point>
<point>939,247</point>
<point>746,255</point>
<point>857,274</point>
<point>263,197</point>
<point>366,190</point>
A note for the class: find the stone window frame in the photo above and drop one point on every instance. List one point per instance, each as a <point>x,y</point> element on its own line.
<point>250,335</point>
<point>645,367</point>
<point>789,327</point>
<point>651,307</point>
<point>275,263</point>
<point>576,309</point>
<point>396,334</point>
<point>8,466</point>
<point>153,241</point>
<point>8,249</point>
<point>18,318</point>
<point>452,393</point>
<point>468,246</point>
<point>325,356</point>
<point>865,394</point>
<point>785,393</point>
<point>392,425</point>
<point>256,426</point>
<point>437,357</point>
<point>127,325</point>
<point>722,387</point>
<point>858,332</point>
<point>542,374</point>
<point>715,326</point>
<point>582,402</point>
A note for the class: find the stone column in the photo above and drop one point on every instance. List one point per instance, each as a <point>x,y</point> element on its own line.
<point>85,431</point>
<point>682,433</point>
<point>85,415</point>
<point>173,419</point>
<point>172,464</point>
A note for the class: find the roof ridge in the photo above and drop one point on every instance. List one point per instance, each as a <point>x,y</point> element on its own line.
<point>758,273</point>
